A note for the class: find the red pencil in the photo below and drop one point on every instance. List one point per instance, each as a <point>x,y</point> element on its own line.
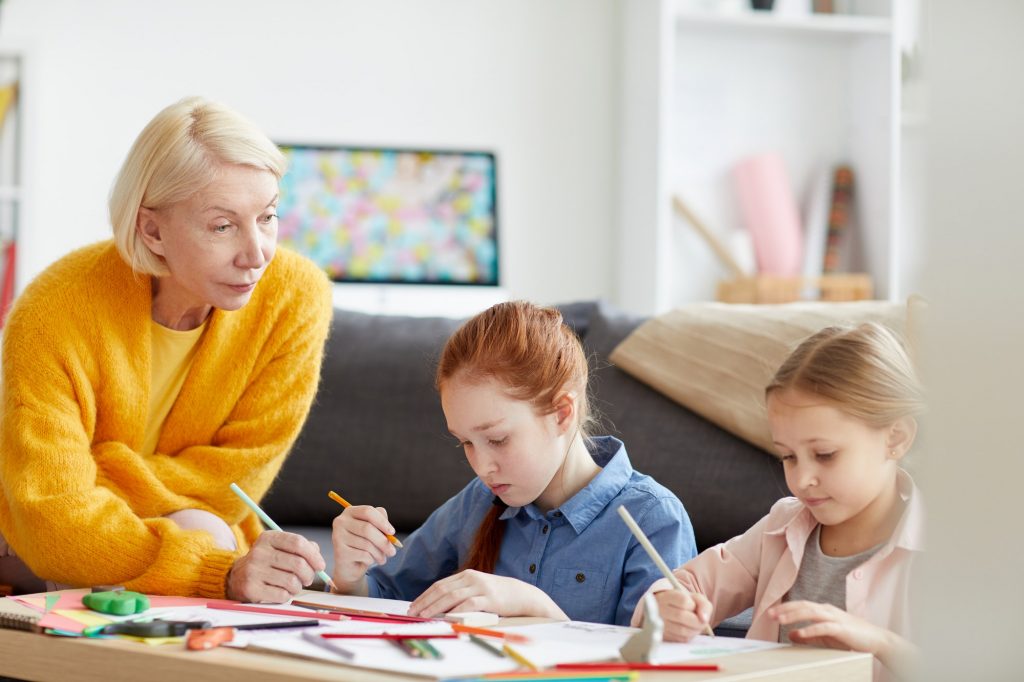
<point>346,635</point>
<point>245,608</point>
<point>637,666</point>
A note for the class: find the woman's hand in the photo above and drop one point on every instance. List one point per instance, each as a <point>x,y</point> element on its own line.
<point>277,566</point>
<point>685,614</point>
<point>477,591</point>
<point>360,540</point>
<point>835,628</point>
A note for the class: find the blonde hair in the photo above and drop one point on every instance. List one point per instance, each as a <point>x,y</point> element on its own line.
<point>176,155</point>
<point>864,371</point>
<point>536,357</point>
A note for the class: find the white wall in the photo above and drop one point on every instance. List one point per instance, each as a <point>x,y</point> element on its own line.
<point>973,588</point>
<point>534,80</point>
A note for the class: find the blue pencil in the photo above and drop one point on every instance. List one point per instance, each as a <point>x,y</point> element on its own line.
<point>273,526</point>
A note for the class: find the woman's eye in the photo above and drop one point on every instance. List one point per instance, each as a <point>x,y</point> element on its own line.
<point>221,229</point>
<point>497,443</point>
<point>269,218</point>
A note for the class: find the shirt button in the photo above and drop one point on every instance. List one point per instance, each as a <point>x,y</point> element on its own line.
<point>533,568</point>
<point>580,577</point>
<point>557,515</point>
<point>858,574</point>
<point>544,530</point>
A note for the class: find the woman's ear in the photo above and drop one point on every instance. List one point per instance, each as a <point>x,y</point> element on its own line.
<point>149,230</point>
<point>901,437</point>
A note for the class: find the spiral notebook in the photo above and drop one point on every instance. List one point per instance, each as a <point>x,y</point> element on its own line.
<point>15,616</point>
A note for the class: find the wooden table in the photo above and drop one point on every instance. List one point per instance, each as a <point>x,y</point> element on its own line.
<point>31,656</point>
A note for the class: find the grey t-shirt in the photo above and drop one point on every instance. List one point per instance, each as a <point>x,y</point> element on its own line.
<point>822,578</point>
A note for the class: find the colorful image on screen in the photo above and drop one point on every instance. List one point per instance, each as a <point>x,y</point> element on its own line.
<point>391,215</point>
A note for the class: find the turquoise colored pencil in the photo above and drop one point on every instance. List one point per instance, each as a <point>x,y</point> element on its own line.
<point>269,522</point>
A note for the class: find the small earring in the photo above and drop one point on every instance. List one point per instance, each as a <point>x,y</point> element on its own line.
<point>894,453</point>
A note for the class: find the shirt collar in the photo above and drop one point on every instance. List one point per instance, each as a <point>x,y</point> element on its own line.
<point>582,508</point>
<point>909,532</point>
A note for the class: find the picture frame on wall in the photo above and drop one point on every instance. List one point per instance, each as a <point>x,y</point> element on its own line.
<point>392,215</point>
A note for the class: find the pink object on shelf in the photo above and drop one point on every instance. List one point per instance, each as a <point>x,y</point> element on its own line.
<point>770,214</point>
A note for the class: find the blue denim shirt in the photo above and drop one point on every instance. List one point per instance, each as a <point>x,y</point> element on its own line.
<point>581,554</point>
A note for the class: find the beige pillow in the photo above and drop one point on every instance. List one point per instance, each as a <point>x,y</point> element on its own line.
<point>716,358</point>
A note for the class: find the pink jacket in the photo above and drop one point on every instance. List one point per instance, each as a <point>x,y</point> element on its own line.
<point>758,568</point>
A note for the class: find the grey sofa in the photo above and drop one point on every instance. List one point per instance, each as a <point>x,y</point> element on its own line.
<point>376,433</point>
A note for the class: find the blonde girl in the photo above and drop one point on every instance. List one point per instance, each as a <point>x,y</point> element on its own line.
<point>831,565</point>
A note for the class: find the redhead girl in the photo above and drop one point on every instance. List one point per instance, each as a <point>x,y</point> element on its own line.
<point>536,532</point>
<point>831,565</point>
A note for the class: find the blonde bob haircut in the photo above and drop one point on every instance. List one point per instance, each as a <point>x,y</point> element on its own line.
<point>176,155</point>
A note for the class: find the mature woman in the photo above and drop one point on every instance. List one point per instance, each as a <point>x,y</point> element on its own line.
<point>143,375</point>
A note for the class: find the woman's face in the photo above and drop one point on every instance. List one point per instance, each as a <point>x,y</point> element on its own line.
<point>217,243</point>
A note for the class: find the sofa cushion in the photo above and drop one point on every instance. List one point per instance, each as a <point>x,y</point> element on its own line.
<point>725,483</point>
<point>376,433</point>
<point>716,358</point>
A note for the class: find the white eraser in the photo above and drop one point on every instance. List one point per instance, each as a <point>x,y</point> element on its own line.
<point>476,618</point>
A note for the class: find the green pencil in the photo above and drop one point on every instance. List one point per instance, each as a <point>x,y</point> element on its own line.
<point>273,526</point>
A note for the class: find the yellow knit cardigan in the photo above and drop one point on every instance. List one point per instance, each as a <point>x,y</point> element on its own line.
<point>78,504</point>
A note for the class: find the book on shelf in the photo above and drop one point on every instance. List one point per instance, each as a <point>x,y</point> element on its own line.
<point>8,94</point>
<point>8,257</point>
<point>839,218</point>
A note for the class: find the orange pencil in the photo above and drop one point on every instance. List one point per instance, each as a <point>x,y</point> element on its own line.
<point>346,504</point>
<point>484,632</point>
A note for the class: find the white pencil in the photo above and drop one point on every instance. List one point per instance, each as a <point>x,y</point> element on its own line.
<point>655,557</point>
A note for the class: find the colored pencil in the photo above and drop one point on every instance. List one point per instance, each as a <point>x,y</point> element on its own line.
<point>311,623</point>
<point>246,608</point>
<point>483,643</point>
<point>655,557</point>
<point>486,632</point>
<point>554,674</point>
<point>346,504</point>
<point>360,614</point>
<point>385,635</point>
<point>273,526</point>
<point>429,648</point>
<point>594,667</point>
<point>408,647</point>
<point>519,658</point>
<point>333,647</point>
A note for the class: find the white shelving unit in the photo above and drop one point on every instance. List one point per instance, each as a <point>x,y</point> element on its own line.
<point>703,90</point>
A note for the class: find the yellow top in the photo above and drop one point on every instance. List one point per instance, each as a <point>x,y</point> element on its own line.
<point>79,504</point>
<point>172,353</point>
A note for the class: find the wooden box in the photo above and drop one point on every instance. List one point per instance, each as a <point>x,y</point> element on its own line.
<point>774,289</point>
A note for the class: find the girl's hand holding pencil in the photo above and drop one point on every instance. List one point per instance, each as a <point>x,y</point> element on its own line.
<point>687,613</point>
<point>360,536</point>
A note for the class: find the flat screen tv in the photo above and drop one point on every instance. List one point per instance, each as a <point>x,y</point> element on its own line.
<point>411,216</point>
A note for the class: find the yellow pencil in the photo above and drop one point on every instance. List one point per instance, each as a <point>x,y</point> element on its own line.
<point>634,527</point>
<point>519,658</point>
<point>346,504</point>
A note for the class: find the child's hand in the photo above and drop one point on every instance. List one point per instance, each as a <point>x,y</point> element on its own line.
<point>359,542</point>
<point>477,591</point>
<point>834,628</point>
<point>684,614</point>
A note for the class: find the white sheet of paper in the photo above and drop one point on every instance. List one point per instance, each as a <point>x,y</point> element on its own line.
<point>461,657</point>
<point>608,639</point>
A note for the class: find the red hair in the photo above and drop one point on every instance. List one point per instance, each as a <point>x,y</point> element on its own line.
<point>537,358</point>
